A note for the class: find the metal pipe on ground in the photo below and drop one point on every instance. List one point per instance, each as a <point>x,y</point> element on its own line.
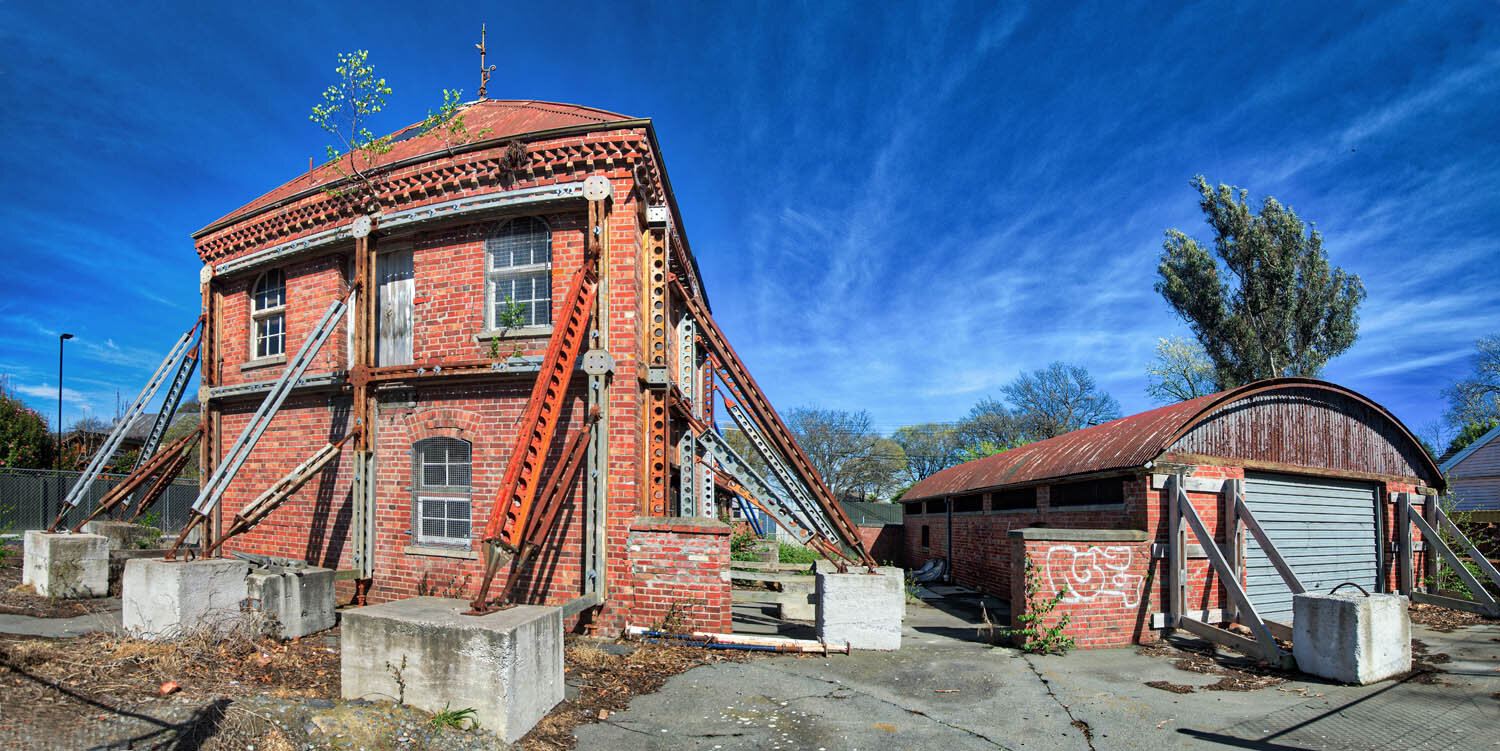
<point>738,641</point>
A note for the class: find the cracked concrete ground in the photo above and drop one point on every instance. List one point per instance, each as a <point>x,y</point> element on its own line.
<point>1000,698</point>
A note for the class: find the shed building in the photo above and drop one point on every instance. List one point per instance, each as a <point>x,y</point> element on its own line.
<point>1090,509</point>
<point>1474,475</point>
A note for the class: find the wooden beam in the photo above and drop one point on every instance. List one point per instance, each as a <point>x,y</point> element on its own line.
<point>1248,615</point>
<point>1269,548</point>
<point>1477,590</point>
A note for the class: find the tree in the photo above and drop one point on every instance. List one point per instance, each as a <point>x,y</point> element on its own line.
<point>346,109</point>
<point>1057,399</point>
<point>845,449</point>
<point>1181,371</point>
<point>1476,398</point>
<point>927,448</point>
<point>24,441</point>
<point>1286,312</point>
<point>1470,433</point>
<point>989,428</point>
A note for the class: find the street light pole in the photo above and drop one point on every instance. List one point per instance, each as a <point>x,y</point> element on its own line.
<point>57,461</point>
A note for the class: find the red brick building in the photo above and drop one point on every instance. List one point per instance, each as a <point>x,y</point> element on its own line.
<point>464,235</point>
<point>1091,509</point>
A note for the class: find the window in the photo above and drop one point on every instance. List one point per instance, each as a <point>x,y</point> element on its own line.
<point>1013,499</point>
<point>1088,493</point>
<point>268,315</point>
<point>925,536</point>
<point>440,469</point>
<point>912,509</point>
<point>518,258</point>
<point>965,504</point>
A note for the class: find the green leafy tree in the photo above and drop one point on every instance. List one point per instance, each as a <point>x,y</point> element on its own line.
<point>989,428</point>
<point>448,122</point>
<point>1476,398</point>
<point>1181,371</point>
<point>927,448</point>
<point>1057,399</point>
<point>24,441</point>
<point>1471,433</point>
<point>1274,307</point>
<point>344,113</point>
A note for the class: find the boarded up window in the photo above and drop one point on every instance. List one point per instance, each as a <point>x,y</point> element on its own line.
<point>968,503</point>
<point>1088,493</point>
<point>1013,499</point>
<point>912,509</point>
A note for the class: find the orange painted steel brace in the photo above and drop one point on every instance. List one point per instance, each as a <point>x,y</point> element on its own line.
<point>166,464</point>
<point>505,530</point>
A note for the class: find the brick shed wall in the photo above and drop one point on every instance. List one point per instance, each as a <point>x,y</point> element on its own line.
<point>1102,581</point>
<point>886,543</point>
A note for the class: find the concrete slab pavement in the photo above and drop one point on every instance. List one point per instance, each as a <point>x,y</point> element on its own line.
<point>1000,698</point>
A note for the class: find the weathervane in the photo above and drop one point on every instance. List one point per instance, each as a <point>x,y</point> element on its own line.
<point>484,73</point>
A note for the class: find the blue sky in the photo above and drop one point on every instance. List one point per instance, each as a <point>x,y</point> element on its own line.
<point>896,207</point>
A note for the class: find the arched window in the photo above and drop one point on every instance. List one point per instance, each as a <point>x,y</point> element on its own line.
<point>441,491</point>
<point>268,315</point>
<point>518,272</point>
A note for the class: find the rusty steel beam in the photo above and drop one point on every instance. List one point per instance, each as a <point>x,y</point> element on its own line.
<point>657,427</point>
<point>165,463</point>
<point>257,510</point>
<point>749,394</point>
<point>506,525</point>
<point>540,524</point>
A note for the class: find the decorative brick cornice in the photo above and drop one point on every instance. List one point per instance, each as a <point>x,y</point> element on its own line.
<point>444,177</point>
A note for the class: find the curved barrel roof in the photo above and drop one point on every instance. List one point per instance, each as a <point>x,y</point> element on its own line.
<point>1272,421</point>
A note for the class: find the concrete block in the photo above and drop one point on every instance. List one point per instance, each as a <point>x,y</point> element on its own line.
<point>300,599</point>
<point>861,608</point>
<point>508,665</point>
<point>799,600</point>
<point>125,535</point>
<point>66,566</point>
<point>165,599</point>
<point>1350,637</point>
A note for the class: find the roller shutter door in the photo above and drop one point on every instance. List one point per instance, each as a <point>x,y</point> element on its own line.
<point>1325,529</point>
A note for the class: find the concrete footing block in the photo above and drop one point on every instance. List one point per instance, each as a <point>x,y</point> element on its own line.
<point>124,535</point>
<point>507,666</point>
<point>66,566</point>
<point>300,599</point>
<point>798,601</point>
<point>166,599</point>
<point>1351,638</point>
<point>861,609</point>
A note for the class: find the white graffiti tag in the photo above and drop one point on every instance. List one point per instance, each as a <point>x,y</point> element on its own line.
<point>1093,572</point>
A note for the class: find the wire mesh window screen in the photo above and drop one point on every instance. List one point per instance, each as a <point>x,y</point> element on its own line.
<point>519,271</point>
<point>442,464</point>
<point>443,520</point>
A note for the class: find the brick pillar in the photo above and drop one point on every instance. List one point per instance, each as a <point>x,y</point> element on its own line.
<point>678,563</point>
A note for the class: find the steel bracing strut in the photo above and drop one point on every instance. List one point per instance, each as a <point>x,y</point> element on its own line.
<point>745,390</point>
<point>505,530</point>
<point>165,465</point>
<point>257,510</point>
<point>179,356</point>
<point>214,487</point>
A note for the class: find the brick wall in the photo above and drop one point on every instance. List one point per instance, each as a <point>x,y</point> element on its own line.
<point>677,565</point>
<point>886,543</point>
<point>1103,582</point>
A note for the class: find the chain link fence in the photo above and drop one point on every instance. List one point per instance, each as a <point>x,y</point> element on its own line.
<point>30,499</point>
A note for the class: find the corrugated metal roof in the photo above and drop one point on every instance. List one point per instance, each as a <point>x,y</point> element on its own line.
<point>1126,443</point>
<point>504,118</point>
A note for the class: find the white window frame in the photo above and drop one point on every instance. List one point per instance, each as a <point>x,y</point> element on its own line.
<point>423,493</point>
<point>492,275</point>
<point>426,539</point>
<point>259,315</point>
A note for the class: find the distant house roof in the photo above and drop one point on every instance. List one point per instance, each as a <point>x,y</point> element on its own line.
<point>139,428</point>
<point>1450,462</point>
<point>504,118</point>
<point>1131,442</point>
<point>868,514</point>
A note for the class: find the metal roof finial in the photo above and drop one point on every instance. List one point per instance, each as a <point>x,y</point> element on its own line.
<point>484,73</point>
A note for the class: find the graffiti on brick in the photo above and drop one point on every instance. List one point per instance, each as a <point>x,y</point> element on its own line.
<point>1093,572</point>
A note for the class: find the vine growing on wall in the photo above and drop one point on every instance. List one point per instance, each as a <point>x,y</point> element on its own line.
<point>1035,635</point>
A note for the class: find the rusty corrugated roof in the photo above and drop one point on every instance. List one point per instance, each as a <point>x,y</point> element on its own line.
<point>1126,443</point>
<point>503,117</point>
